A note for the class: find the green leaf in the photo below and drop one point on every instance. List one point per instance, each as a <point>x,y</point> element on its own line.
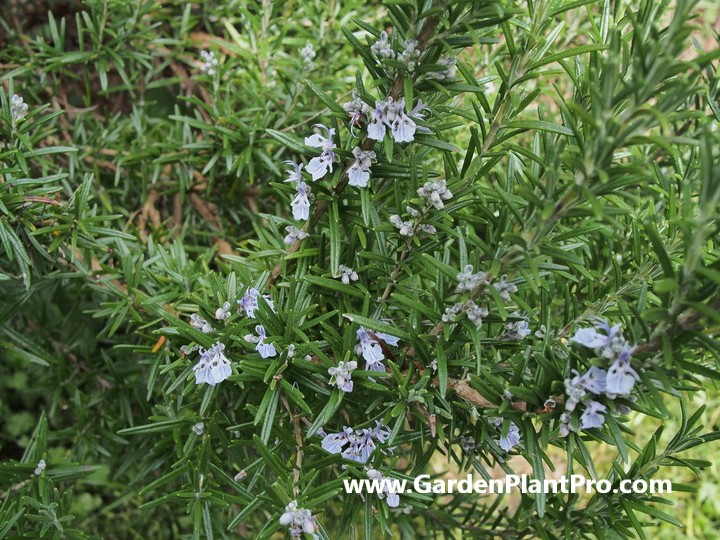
<point>378,326</point>
<point>327,100</point>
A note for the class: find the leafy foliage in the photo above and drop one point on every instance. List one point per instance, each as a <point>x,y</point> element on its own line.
<point>577,143</point>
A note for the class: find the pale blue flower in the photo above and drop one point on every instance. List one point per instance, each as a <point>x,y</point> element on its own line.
<point>565,425</point>
<point>359,172</point>
<point>321,165</point>
<point>516,330</point>
<point>294,235</point>
<point>18,107</point>
<point>435,193</point>
<point>381,432</point>
<point>608,344</point>
<point>406,228</point>
<point>575,391</point>
<point>475,313</point>
<point>335,442</point>
<point>249,302</point>
<point>295,171</point>
<point>378,122</point>
<point>590,337</point>
<point>196,321</point>
<point>213,367</point>
<point>370,348</point>
<point>356,108</point>
<point>410,54</point>
<point>402,126</point>
<point>391,497</point>
<point>469,281</point>
<point>341,375</point>
<point>382,48</point>
<point>357,445</point>
<point>621,377</point>
<point>307,54</point>
<point>505,288</point>
<point>266,350</point>
<point>592,416</point>
<point>594,380</point>
<point>451,313</point>
<point>301,203</point>
<point>512,439</point>
<point>40,467</point>
<point>299,520</point>
<point>387,338</point>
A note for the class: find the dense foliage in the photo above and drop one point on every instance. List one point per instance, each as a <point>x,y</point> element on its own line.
<point>251,249</point>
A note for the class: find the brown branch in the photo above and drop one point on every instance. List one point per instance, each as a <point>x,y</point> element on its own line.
<point>396,91</point>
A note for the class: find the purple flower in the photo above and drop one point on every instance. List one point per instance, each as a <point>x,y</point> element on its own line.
<point>379,121</point>
<point>621,376</point>
<point>294,235</point>
<point>266,350</point>
<point>435,193</point>
<point>370,348</point>
<point>403,127</point>
<point>594,380</point>
<point>341,375</point>
<point>512,439</point>
<point>359,172</point>
<point>213,367</point>
<point>299,520</point>
<point>608,344</point>
<point>357,445</point>
<point>356,108</point>
<point>592,416</point>
<point>321,165</point>
<point>249,302</point>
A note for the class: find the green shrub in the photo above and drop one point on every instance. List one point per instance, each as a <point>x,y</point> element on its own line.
<point>500,252</point>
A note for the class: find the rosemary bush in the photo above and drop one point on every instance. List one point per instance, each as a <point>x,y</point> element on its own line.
<point>249,250</point>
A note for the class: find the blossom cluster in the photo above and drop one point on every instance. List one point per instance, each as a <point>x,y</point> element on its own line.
<point>307,53</point>
<point>619,379</point>
<point>213,367</point>
<point>210,63</point>
<point>356,444</point>
<point>387,117</point>
<point>471,281</point>
<point>382,49</point>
